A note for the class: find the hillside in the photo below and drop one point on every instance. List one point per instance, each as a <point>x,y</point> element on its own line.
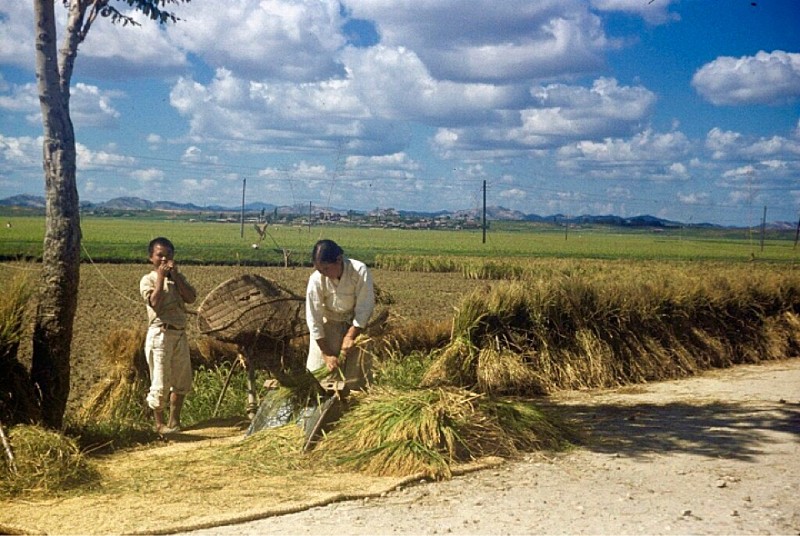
<point>493,213</point>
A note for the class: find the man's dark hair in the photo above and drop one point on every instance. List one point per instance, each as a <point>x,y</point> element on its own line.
<point>326,251</point>
<point>160,241</point>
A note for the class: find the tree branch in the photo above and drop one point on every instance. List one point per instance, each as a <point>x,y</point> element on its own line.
<point>69,51</point>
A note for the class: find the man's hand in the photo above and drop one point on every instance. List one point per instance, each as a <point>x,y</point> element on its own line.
<point>348,343</point>
<point>331,361</point>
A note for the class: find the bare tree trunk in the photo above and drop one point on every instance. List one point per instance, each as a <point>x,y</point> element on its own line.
<point>58,299</point>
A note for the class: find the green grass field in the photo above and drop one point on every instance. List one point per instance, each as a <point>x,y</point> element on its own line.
<point>125,239</point>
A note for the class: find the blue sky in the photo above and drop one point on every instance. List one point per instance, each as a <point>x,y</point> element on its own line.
<point>683,109</point>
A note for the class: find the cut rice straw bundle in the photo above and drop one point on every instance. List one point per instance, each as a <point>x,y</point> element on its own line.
<point>121,394</point>
<point>502,371</point>
<point>455,365</point>
<point>45,461</point>
<point>16,293</point>
<point>427,431</point>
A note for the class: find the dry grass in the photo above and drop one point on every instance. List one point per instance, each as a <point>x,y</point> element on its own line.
<point>454,365</point>
<point>403,337</point>
<point>571,327</point>
<point>17,401</point>
<point>211,352</point>
<point>207,477</point>
<point>413,263</point>
<point>502,371</point>
<point>428,431</point>
<point>120,397</point>
<point>274,452</point>
<point>601,330</point>
<point>16,293</point>
<point>45,462</point>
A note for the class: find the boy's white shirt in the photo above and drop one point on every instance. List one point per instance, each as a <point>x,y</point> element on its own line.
<point>172,310</point>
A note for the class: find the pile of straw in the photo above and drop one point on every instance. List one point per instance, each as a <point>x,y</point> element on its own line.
<point>120,396</point>
<point>581,332</point>
<point>389,432</point>
<point>44,461</point>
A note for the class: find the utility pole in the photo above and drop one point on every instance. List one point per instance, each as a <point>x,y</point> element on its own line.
<point>797,234</point>
<point>484,211</point>
<point>241,217</point>
<point>763,227</point>
<point>309,217</point>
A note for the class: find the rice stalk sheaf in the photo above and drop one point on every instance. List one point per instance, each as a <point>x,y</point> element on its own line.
<point>45,461</point>
<point>428,431</point>
<point>121,394</point>
<point>534,337</point>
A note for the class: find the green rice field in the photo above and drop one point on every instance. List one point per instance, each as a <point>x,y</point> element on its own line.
<point>124,239</point>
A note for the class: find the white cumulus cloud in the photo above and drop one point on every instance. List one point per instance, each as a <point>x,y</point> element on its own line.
<point>294,40</point>
<point>766,78</point>
<point>460,41</point>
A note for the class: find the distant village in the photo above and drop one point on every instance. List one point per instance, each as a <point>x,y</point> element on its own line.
<point>384,218</point>
<point>305,215</point>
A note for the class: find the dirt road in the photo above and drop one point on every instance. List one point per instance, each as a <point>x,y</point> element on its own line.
<point>714,454</point>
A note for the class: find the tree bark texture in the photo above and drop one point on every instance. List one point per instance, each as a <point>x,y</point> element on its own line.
<point>58,298</point>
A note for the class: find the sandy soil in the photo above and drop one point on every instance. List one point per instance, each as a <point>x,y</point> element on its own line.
<point>714,454</point>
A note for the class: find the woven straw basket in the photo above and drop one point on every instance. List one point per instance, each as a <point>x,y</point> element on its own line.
<point>250,310</point>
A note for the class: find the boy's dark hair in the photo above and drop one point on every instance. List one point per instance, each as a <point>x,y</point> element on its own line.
<point>326,251</point>
<point>160,241</point>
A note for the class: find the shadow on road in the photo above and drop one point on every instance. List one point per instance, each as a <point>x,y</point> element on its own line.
<point>734,431</point>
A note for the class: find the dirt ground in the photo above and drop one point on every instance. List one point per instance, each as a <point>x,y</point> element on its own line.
<point>714,454</point>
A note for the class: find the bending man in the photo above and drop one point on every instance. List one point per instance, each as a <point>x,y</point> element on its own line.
<point>340,299</point>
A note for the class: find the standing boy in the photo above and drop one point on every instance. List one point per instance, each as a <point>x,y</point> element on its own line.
<point>166,292</point>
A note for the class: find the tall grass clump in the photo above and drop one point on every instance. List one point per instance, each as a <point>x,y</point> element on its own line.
<point>17,399</point>
<point>401,339</point>
<point>207,399</point>
<point>604,329</point>
<point>390,432</point>
<point>44,462</point>
<point>400,351</point>
<point>15,294</point>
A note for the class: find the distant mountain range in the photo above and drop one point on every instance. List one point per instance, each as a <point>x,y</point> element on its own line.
<point>495,213</point>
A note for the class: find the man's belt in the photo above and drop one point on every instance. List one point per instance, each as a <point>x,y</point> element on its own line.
<point>170,327</point>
